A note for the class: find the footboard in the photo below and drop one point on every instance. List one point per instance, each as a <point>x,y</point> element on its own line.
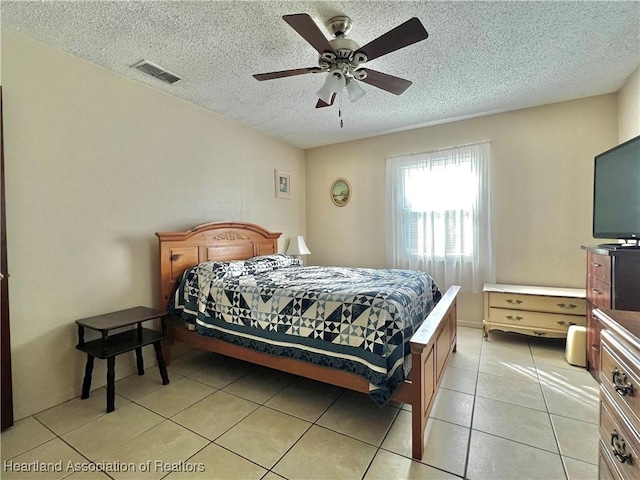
<point>431,346</point>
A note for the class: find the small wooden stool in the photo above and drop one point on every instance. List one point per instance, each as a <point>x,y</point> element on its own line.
<point>111,345</point>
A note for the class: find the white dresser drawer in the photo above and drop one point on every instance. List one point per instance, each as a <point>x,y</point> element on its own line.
<point>543,320</point>
<point>535,303</point>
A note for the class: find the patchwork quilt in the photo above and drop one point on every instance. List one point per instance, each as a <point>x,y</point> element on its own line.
<point>354,319</point>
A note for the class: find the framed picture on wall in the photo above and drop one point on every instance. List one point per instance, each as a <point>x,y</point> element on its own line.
<point>340,192</point>
<point>282,184</point>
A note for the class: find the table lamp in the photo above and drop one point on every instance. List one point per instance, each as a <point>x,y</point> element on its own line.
<point>297,247</point>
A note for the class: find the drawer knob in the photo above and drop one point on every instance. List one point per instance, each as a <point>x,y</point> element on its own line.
<point>565,324</point>
<point>621,384</point>
<point>594,264</point>
<point>620,448</point>
<point>569,306</point>
<point>512,302</point>
<point>512,318</point>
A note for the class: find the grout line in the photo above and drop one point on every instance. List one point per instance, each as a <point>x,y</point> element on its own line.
<point>421,462</point>
<point>384,437</point>
<point>366,470</point>
<point>473,410</point>
<point>59,437</point>
<point>307,430</point>
<point>211,442</point>
<point>553,427</point>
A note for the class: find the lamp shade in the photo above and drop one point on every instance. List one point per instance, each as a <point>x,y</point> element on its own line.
<point>334,83</point>
<point>297,246</point>
<point>356,92</point>
<point>325,94</point>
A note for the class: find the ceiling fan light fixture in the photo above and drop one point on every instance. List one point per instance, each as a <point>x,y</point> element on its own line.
<point>336,80</point>
<point>334,83</point>
<point>356,92</point>
<point>325,94</point>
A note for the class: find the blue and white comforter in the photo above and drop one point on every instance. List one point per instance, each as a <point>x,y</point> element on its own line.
<point>354,319</point>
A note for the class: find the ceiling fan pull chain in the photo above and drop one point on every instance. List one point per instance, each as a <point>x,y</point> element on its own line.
<point>340,111</point>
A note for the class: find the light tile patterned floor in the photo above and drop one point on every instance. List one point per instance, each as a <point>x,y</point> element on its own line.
<point>509,408</point>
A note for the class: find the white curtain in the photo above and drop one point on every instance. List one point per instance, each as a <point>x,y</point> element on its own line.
<point>438,216</point>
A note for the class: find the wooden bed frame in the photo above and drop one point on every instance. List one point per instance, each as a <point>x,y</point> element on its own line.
<point>431,345</point>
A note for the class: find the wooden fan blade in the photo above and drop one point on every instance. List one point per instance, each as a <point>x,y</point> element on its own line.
<point>284,73</point>
<point>322,103</point>
<point>403,35</point>
<point>307,28</point>
<point>395,85</point>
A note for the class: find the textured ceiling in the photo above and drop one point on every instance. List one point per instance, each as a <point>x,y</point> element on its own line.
<point>480,57</point>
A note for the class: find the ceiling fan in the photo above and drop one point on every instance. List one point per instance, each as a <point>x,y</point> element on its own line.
<point>341,57</point>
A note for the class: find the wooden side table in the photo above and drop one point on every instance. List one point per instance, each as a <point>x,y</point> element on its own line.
<point>108,346</point>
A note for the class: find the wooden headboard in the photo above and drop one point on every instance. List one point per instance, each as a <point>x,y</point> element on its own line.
<point>209,242</point>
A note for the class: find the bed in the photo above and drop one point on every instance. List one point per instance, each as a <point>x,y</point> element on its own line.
<point>214,266</point>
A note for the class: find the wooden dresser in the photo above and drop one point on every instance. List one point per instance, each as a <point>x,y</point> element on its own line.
<point>539,311</point>
<point>613,282</point>
<point>619,445</point>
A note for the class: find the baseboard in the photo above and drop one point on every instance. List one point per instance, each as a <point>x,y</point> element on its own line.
<point>469,324</point>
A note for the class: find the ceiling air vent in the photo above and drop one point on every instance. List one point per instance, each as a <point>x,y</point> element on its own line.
<point>156,71</point>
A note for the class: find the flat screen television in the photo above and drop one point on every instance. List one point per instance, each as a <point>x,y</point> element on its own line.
<point>616,193</point>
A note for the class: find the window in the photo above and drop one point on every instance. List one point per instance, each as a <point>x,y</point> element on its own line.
<point>438,215</point>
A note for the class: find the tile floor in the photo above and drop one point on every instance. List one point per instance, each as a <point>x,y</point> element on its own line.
<point>509,408</point>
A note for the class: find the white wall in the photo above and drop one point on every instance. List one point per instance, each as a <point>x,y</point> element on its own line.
<point>96,164</point>
<point>542,174</point>
<point>629,108</point>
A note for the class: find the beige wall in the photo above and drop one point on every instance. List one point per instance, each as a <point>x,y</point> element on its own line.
<point>542,175</point>
<point>96,164</point>
<point>629,108</point>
